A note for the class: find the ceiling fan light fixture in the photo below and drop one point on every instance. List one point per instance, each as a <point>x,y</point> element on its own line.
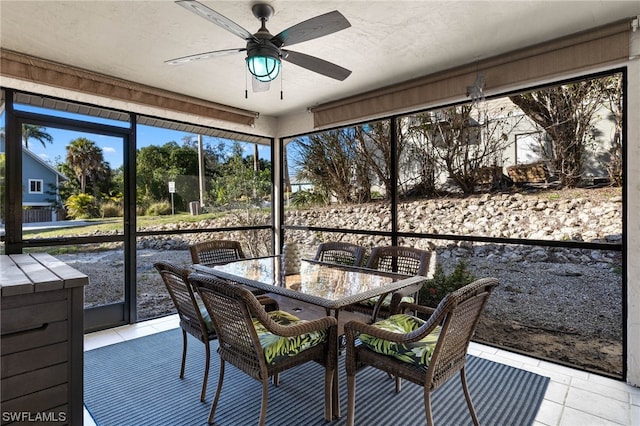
<point>264,68</point>
<point>264,50</point>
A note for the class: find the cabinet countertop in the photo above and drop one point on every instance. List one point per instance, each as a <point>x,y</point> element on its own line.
<point>36,272</point>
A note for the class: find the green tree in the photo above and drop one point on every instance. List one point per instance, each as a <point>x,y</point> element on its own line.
<point>39,133</point>
<point>71,186</point>
<point>243,190</point>
<point>114,192</point>
<point>240,184</point>
<point>159,164</point>
<point>86,160</point>
<point>151,173</point>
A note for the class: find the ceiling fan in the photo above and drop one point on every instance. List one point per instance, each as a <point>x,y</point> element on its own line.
<point>265,51</point>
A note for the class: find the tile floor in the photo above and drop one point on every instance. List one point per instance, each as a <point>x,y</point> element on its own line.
<point>573,397</point>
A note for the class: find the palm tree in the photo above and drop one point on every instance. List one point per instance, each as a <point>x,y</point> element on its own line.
<point>86,159</point>
<point>39,133</point>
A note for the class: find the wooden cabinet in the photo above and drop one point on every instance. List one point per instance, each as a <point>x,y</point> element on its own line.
<point>41,329</point>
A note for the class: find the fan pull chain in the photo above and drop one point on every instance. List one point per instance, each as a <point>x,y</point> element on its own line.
<point>281,74</point>
<point>246,91</point>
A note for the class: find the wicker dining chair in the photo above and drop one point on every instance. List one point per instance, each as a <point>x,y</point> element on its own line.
<point>402,260</point>
<point>263,344</point>
<point>427,353</point>
<point>340,253</point>
<point>194,318</point>
<point>216,252</point>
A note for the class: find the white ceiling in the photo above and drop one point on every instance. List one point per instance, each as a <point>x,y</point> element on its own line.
<point>388,42</point>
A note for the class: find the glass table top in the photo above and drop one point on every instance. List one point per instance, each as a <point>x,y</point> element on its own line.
<point>321,283</point>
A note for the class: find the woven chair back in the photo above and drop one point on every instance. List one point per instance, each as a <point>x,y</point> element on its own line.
<point>230,306</point>
<point>216,252</point>
<point>402,260</point>
<point>340,253</point>
<point>461,311</point>
<point>175,279</point>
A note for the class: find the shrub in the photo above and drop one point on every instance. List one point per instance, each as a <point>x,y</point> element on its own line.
<point>435,289</point>
<point>159,208</point>
<point>111,209</point>
<point>81,206</point>
<point>308,199</point>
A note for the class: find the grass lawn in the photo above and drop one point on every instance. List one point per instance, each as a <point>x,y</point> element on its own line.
<point>114,224</point>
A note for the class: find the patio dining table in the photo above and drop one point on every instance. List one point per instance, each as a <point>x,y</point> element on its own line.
<point>330,286</point>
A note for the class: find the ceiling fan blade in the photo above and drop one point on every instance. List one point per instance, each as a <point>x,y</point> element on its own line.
<point>319,26</point>
<point>216,18</point>
<point>316,64</point>
<point>259,86</point>
<point>207,55</point>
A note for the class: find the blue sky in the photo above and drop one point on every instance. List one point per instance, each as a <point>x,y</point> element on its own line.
<point>112,147</point>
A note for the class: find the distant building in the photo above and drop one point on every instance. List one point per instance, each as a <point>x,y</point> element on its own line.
<point>40,183</point>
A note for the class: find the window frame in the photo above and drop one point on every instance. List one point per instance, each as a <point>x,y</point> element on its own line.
<point>39,183</point>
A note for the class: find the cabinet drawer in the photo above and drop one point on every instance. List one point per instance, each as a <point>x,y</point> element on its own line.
<point>47,334</point>
<point>34,359</point>
<point>20,300</point>
<point>44,401</point>
<point>32,317</point>
<point>33,381</point>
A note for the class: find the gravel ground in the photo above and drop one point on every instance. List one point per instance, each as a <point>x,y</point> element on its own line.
<point>584,299</point>
<point>570,314</point>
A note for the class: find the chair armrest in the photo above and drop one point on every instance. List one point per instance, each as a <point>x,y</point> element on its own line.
<point>406,306</point>
<point>268,303</point>
<point>354,328</point>
<point>397,296</point>
<point>259,313</point>
<point>324,323</point>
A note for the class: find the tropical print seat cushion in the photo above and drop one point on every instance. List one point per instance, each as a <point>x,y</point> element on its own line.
<point>417,353</point>
<point>204,313</point>
<point>277,348</point>
<point>386,302</point>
